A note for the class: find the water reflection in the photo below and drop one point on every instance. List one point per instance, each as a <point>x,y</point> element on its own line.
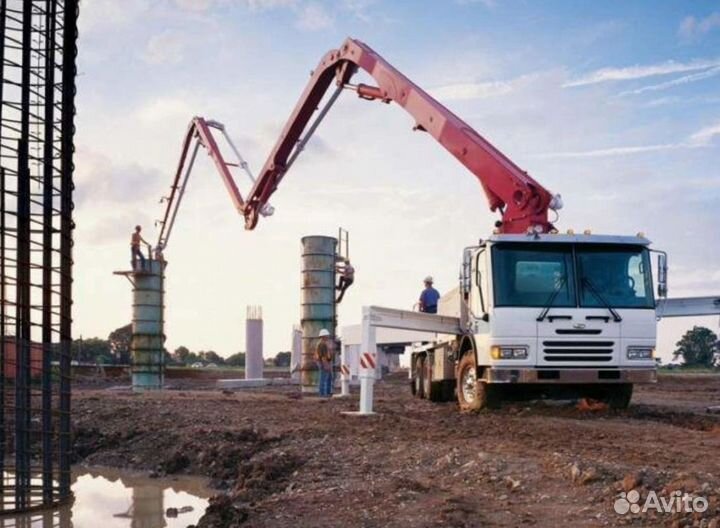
<point>110,498</point>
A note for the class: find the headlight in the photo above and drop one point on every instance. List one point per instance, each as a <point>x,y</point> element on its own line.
<point>508,352</point>
<point>640,352</point>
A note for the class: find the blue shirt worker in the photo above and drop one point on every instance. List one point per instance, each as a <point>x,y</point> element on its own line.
<point>429,297</point>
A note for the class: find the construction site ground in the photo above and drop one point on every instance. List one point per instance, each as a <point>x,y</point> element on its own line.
<point>277,458</point>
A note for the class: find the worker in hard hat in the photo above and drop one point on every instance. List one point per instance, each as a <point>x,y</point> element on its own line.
<point>325,358</point>
<point>135,240</point>
<point>347,277</point>
<point>429,297</point>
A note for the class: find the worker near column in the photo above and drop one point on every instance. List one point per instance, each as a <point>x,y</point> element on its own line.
<point>429,297</point>
<point>347,277</point>
<point>325,358</point>
<point>135,240</point>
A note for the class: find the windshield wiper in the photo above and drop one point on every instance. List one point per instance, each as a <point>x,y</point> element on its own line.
<point>551,299</point>
<point>586,282</point>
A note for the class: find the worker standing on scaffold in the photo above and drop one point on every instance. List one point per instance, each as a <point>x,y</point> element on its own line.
<point>135,240</point>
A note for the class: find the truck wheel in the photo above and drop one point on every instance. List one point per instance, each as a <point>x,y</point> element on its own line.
<point>618,396</point>
<point>419,376</point>
<point>472,393</point>
<point>432,389</point>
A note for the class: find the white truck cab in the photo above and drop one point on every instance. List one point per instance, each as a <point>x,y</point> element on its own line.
<point>546,314</point>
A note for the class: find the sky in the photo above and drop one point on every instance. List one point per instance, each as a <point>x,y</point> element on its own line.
<point>615,105</point>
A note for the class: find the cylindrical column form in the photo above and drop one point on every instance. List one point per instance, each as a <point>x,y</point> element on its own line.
<point>254,343</point>
<point>295,353</point>
<point>318,302</point>
<point>148,327</point>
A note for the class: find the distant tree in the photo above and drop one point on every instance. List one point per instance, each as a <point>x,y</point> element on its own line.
<point>282,359</point>
<point>168,358</point>
<point>211,356</point>
<point>236,360</point>
<point>120,344</point>
<point>91,350</point>
<point>181,354</point>
<point>698,347</point>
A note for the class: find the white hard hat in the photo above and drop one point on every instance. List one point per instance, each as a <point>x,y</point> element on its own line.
<point>428,278</point>
<point>324,333</point>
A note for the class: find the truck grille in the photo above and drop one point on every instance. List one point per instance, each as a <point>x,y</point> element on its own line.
<point>579,351</point>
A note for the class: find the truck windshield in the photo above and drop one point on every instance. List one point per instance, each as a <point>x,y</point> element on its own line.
<point>619,273</point>
<point>528,274</point>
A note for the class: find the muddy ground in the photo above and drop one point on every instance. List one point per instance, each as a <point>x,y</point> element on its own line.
<point>278,459</point>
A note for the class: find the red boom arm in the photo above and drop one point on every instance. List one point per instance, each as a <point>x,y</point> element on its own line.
<point>523,202</point>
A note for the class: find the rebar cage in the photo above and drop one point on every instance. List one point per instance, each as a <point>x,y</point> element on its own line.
<point>37,90</point>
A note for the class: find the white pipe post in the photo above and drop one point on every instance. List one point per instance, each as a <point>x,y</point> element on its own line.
<point>295,353</point>
<point>368,363</point>
<point>344,372</point>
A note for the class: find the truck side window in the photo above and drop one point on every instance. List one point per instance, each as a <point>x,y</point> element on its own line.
<point>478,279</point>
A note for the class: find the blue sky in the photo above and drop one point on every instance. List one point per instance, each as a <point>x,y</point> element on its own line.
<point>615,105</point>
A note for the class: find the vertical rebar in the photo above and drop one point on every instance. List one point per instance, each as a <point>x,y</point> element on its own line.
<point>3,341</point>
<point>47,249</point>
<point>23,312</point>
<point>66,227</point>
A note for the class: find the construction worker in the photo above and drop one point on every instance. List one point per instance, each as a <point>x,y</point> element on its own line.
<point>325,357</point>
<point>135,240</point>
<point>347,277</point>
<point>429,297</point>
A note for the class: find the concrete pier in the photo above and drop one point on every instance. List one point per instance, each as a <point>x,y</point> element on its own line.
<point>318,302</point>
<point>148,327</point>
<point>254,361</point>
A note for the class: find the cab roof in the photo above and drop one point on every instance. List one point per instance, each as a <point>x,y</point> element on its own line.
<point>558,238</point>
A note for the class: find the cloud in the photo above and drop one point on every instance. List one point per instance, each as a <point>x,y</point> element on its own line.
<point>314,17</point>
<point>692,27</point>
<point>481,90</point>
<point>701,138</point>
<point>686,79</point>
<point>195,5</point>
<point>487,3</point>
<point>100,15</point>
<point>165,48</point>
<point>99,180</point>
<point>704,136</point>
<point>641,72</point>
<point>164,108</point>
<point>464,91</point>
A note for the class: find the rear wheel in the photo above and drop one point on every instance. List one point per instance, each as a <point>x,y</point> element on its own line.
<point>434,389</point>
<point>619,396</point>
<point>473,394</point>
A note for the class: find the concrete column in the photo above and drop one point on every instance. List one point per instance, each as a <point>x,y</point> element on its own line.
<point>254,361</point>
<point>148,327</point>
<point>318,302</point>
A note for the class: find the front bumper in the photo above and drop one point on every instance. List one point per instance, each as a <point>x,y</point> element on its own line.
<point>569,375</point>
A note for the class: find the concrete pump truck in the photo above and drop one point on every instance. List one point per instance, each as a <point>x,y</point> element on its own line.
<point>535,310</point>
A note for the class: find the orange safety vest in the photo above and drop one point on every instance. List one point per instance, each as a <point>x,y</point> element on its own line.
<point>323,353</point>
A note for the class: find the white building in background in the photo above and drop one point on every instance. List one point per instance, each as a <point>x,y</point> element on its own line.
<point>391,345</point>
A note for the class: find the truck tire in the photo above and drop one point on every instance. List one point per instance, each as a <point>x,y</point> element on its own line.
<point>418,377</point>
<point>433,389</point>
<point>473,394</point>
<point>618,396</point>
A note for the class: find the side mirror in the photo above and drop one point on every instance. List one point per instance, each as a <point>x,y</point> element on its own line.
<point>662,287</point>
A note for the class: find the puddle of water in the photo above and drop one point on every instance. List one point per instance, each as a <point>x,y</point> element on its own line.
<point>111,498</point>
